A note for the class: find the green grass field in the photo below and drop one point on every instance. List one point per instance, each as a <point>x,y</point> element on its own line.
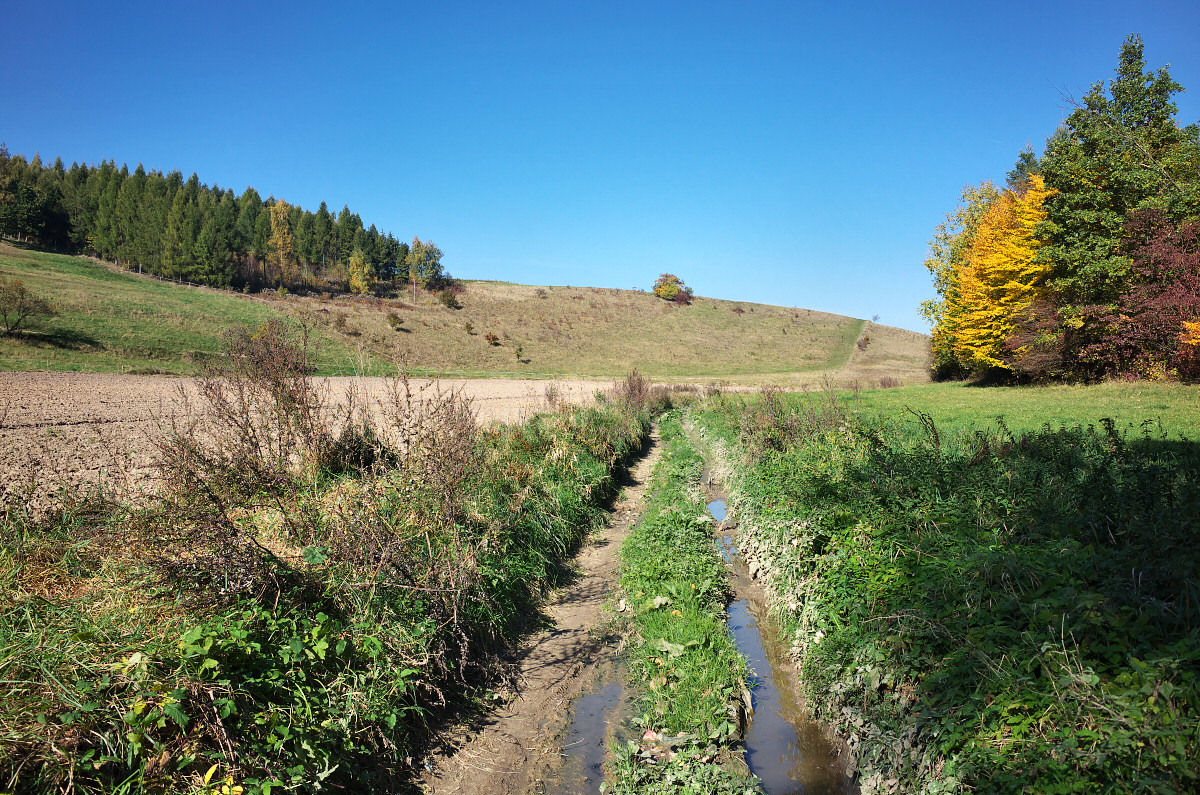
<point>1164,407</point>
<point>984,611</point>
<point>113,322</point>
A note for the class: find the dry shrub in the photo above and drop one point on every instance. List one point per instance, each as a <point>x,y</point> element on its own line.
<point>257,440</point>
<point>889,382</point>
<point>772,424</point>
<point>641,395</point>
<point>255,417</point>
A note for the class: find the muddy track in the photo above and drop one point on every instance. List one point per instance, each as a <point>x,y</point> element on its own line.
<point>517,747</point>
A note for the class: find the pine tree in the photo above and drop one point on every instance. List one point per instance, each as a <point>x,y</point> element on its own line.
<point>1116,153</point>
<point>176,251</point>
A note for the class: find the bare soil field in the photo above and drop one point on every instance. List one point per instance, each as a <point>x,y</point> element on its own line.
<point>71,430</point>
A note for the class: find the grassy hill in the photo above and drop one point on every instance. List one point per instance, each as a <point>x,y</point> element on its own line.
<point>117,322</point>
<point>113,321</point>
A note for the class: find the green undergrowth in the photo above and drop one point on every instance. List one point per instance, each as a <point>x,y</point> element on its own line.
<point>979,610</point>
<point>263,627</point>
<point>690,677</point>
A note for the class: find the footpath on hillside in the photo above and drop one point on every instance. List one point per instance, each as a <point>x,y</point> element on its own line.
<point>516,747</point>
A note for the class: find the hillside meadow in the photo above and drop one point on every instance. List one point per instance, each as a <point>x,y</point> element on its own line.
<point>111,320</point>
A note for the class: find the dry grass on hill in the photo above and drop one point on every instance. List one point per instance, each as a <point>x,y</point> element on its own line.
<point>606,332</point>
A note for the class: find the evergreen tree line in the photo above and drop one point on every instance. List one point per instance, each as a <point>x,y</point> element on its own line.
<point>1086,265</point>
<point>188,231</point>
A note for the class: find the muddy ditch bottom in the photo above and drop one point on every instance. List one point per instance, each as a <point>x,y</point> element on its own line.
<point>601,717</point>
<point>789,752</point>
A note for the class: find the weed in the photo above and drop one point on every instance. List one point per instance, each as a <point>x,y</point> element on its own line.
<point>314,580</point>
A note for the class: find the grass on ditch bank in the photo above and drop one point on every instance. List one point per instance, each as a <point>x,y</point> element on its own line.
<point>987,612</point>
<point>691,678</point>
<point>306,594</point>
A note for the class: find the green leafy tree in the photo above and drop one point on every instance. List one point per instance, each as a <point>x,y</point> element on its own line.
<point>1119,151</point>
<point>20,307</point>
<point>424,263</point>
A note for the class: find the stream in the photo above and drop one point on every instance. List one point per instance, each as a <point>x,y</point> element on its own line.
<point>784,748</point>
<point>788,752</point>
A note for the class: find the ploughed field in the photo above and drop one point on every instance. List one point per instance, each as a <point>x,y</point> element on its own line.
<point>66,430</point>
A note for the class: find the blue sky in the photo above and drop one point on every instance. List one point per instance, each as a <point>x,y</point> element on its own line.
<point>791,153</point>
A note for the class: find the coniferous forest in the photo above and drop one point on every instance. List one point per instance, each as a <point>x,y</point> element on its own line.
<point>185,230</point>
<point>1086,265</point>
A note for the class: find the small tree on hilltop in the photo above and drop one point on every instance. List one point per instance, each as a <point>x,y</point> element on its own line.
<point>669,287</point>
<point>19,306</point>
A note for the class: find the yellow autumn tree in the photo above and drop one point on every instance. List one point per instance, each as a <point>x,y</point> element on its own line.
<point>281,245</point>
<point>362,279</point>
<point>952,240</point>
<point>999,279</point>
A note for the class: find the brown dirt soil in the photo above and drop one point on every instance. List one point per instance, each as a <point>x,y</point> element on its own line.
<point>73,430</point>
<point>517,747</point>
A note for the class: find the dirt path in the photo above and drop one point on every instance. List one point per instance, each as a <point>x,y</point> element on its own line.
<point>517,746</point>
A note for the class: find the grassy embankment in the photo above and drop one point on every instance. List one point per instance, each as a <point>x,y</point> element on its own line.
<point>306,594</point>
<point>981,609</point>
<point>113,321</point>
<point>691,679</point>
<point>110,321</point>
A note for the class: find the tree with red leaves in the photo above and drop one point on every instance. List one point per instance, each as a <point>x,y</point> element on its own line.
<point>1141,334</point>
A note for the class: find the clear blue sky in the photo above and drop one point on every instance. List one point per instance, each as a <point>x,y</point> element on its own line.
<point>792,153</point>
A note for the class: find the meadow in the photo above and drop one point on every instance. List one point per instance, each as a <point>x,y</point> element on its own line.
<point>112,320</point>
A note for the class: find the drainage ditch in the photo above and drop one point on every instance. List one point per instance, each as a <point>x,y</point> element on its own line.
<point>789,752</point>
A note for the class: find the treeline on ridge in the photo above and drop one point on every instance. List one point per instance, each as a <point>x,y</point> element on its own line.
<point>185,230</point>
<point>1087,264</point>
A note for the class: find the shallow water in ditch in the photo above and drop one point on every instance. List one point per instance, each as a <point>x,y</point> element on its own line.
<point>598,718</point>
<point>787,751</point>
